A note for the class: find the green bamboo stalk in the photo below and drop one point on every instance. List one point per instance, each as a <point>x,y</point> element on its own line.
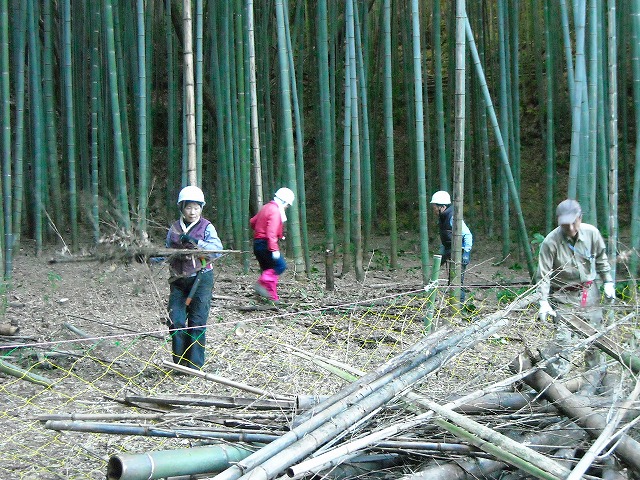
<point>18,177</point>
<point>36,108</point>
<point>121,66</point>
<point>612,241</point>
<point>566,36</point>
<point>346,165</point>
<point>96,20</point>
<point>119,164</point>
<point>6,183</point>
<point>388,129</point>
<point>189,98</point>
<point>550,135</point>
<point>296,98</point>
<point>419,122</point>
<point>243,143</point>
<point>589,208</point>
<point>67,74</point>
<point>439,103</point>
<point>503,153</point>
<point>50,114</point>
<point>327,189</point>
<point>289,152</point>
<point>367,191</point>
<point>504,126</point>
<point>255,130</point>
<point>635,200</point>
<point>171,112</point>
<point>459,146</point>
<point>484,133</point>
<point>199,66</point>
<point>142,123</point>
<point>356,192</point>
<point>576,117</point>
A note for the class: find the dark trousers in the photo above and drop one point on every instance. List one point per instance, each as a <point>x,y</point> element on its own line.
<point>446,258</point>
<point>265,257</point>
<point>188,323</point>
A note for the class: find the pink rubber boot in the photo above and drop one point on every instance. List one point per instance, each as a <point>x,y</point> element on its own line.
<point>261,287</point>
<point>269,279</point>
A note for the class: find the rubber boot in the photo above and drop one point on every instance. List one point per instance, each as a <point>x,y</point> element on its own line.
<point>269,280</point>
<point>261,287</point>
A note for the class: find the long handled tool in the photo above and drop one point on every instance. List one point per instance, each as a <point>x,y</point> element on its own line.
<point>196,282</point>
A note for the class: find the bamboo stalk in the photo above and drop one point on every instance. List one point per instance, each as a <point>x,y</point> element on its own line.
<point>150,431</point>
<point>340,415</point>
<point>498,444</point>
<point>627,448</point>
<point>224,381</point>
<point>10,369</point>
<point>605,437</point>
<point>214,401</point>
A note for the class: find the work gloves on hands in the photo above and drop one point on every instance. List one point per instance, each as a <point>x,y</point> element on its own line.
<point>466,257</point>
<point>545,310</point>
<point>609,290</point>
<point>275,254</point>
<point>185,238</point>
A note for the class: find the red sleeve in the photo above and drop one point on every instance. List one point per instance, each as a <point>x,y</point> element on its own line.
<point>273,227</point>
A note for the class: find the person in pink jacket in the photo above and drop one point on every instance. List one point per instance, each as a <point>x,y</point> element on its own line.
<point>267,227</point>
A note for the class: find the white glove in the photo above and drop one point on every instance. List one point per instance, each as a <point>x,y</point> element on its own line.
<point>609,290</point>
<point>545,310</point>
<point>275,254</point>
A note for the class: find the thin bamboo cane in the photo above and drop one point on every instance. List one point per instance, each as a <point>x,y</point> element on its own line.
<point>419,145</point>
<point>503,154</point>
<point>142,123</point>
<point>612,241</point>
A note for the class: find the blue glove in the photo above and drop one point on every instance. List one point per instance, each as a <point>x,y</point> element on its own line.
<point>466,257</point>
<point>185,238</point>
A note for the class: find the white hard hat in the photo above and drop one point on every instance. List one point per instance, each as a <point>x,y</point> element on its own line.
<point>191,194</point>
<point>286,195</point>
<point>441,198</point>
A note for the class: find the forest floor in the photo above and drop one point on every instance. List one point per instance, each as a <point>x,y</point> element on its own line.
<point>115,298</point>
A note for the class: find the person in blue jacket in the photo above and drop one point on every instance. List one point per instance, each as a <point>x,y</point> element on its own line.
<point>191,280</point>
<point>442,207</point>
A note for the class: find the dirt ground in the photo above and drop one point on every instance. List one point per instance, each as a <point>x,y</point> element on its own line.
<point>123,305</point>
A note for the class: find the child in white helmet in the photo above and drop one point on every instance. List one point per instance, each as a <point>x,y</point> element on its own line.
<point>267,225</point>
<point>189,310</point>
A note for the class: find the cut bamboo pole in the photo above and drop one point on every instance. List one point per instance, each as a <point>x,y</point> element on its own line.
<point>607,345</point>
<point>171,463</point>
<point>225,381</point>
<point>594,423</point>
<point>330,422</point>
<point>151,431</point>
<point>605,438</point>
<point>10,369</point>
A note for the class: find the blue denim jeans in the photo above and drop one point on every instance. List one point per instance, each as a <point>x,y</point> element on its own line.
<point>188,323</point>
<point>265,257</point>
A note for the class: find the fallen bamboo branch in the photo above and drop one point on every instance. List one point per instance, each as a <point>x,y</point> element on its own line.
<point>224,381</point>
<point>497,444</point>
<point>18,372</point>
<point>607,345</point>
<point>138,253</point>
<point>151,431</point>
<point>214,401</point>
